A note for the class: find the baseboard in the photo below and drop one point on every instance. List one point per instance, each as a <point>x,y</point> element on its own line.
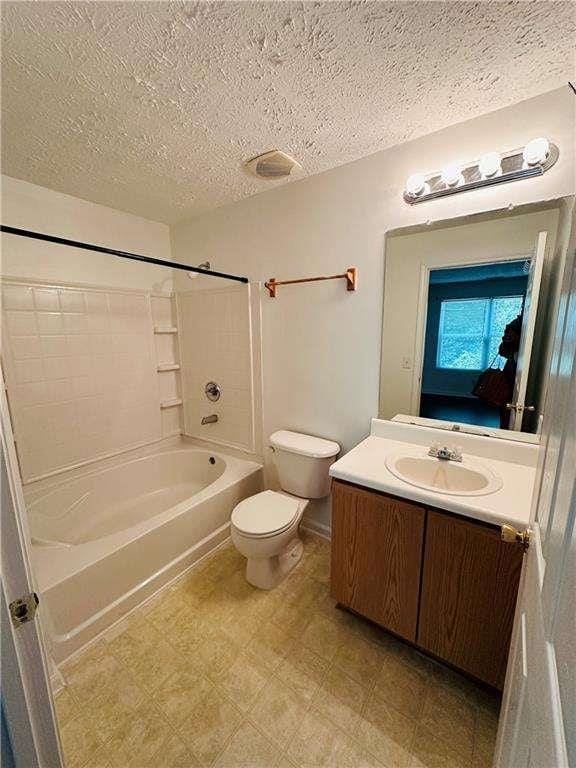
<point>320,529</point>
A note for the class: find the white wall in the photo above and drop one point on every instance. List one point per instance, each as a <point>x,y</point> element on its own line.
<point>502,237</point>
<point>321,345</point>
<point>28,206</point>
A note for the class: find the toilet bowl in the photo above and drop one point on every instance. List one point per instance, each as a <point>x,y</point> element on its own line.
<point>264,527</point>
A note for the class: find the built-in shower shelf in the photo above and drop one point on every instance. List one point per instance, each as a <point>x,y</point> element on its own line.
<point>167,367</point>
<point>165,329</point>
<point>171,403</point>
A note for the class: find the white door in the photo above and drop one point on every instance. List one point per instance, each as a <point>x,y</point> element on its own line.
<point>527,334</point>
<point>26,696</point>
<point>538,721</point>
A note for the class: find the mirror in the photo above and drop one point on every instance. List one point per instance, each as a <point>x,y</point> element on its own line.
<point>468,318</point>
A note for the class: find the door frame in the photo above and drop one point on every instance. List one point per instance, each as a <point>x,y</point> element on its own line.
<point>26,694</point>
<point>422,315</point>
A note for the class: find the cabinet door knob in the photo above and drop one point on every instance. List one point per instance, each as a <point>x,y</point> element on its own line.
<point>512,535</point>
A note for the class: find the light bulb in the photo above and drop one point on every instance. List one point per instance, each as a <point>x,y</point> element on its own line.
<point>452,175</point>
<point>415,185</point>
<point>536,151</point>
<point>489,165</point>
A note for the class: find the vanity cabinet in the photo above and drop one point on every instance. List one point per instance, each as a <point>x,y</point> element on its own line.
<point>469,587</point>
<point>446,583</point>
<point>377,546</point>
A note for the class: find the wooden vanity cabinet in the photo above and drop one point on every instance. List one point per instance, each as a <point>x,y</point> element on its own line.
<point>377,546</point>
<point>448,584</point>
<point>469,588</point>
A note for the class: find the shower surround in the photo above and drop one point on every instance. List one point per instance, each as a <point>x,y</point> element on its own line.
<point>119,501</point>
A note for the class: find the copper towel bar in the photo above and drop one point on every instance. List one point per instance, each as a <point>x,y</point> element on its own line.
<point>351,277</point>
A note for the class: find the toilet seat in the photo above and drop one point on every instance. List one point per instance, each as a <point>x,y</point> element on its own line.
<point>265,514</point>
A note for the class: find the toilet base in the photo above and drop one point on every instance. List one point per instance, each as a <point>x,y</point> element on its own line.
<point>268,572</point>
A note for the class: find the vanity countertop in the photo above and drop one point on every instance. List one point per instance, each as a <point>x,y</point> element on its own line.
<point>514,463</point>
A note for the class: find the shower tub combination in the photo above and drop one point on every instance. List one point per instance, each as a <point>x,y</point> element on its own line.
<point>106,539</point>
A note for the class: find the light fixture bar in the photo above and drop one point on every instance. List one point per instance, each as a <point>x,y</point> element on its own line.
<point>513,166</point>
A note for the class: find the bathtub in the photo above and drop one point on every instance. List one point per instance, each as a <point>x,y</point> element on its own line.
<point>105,540</point>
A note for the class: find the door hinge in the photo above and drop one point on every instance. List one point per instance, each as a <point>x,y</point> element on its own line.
<point>23,609</point>
<point>512,535</point>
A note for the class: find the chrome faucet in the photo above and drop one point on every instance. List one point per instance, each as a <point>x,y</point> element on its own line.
<point>210,419</point>
<point>445,453</point>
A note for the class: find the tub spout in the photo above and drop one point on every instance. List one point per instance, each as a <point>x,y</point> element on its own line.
<point>210,419</point>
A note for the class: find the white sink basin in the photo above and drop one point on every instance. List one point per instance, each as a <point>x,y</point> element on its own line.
<point>466,478</point>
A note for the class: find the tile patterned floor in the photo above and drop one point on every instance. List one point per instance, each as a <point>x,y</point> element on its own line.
<point>216,673</point>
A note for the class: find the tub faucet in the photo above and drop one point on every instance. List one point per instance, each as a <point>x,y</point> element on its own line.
<point>210,419</point>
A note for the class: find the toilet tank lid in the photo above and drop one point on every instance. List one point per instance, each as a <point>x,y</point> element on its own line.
<point>307,445</point>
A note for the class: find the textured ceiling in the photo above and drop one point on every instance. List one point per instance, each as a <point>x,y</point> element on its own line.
<point>152,107</point>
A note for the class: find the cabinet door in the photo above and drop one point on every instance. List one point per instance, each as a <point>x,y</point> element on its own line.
<point>377,546</point>
<point>469,589</point>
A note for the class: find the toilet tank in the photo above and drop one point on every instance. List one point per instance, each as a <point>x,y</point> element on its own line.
<point>302,462</point>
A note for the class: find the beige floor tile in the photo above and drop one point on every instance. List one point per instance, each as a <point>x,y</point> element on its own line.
<point>219,566</point>
<point>66,707</point>
<point>138,740</point>
<point>278,712</point>
<point>243,681</point>
<point>199,585</point>
<point>248,748</point>
<point>216,653</point>
<point>293,618</point>
<point>340,699</point>
<point>451,717</point>
<point>113,706</point>
<point>319,567</point>
<point>485,736</point>
<point>271,644</point>
<point>324,637</point>
<point>214,671</point>
<point>283,762</point>
<point>174,609</point>
<point>180,694</point>
<point>316,742</point>
<point>402,681</point>
<point>303,671</point>
<point>143,651</point>
<point>100,759</point>
<point>430,752</point>
<point>456,687</point>
<point>209,723</point>
<point>350,754</point>
<point>174,754</point>
<point>237,586</point>
<point>79,742</point>
<point>360,659</point>
<point>92,675</point>
<point>385,732</point>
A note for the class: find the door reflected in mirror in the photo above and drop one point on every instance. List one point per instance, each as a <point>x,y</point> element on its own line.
<point>469,315</point>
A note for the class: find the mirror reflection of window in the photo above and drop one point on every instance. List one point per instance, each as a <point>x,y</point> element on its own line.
<point>471,330</point>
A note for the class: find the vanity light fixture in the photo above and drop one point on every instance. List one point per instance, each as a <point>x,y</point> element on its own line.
<point>416,185</point>
<point>537,157</point>
<point>490,165</point>
<point>536,151</point>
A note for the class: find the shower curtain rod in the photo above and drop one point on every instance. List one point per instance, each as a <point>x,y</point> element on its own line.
<point>120,254</point>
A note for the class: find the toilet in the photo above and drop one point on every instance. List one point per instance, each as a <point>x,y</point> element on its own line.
<point>264,527</point>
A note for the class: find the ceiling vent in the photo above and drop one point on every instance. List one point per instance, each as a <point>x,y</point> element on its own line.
<point>272,165</point>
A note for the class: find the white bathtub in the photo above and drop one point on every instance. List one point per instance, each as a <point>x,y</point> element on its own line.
<point>105,540</point>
